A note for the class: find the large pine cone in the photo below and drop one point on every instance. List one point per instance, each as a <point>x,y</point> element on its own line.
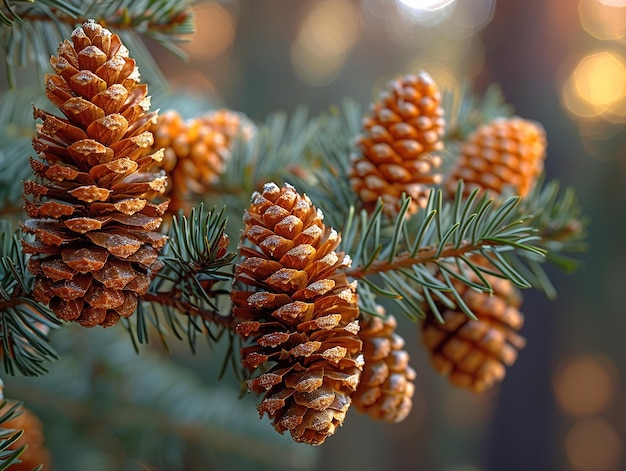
<point>473,354</point>
<point>36,453</point>
<point>386,388</point>
<point>395,152</point>
<point>96,241</point>
<point>197,151</point>
<point>505,153</point>
<point>299,311</point>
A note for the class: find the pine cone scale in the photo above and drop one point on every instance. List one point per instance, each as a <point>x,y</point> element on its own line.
<point>473,353</point>
<point>313,354</point>
<point>94,184</point>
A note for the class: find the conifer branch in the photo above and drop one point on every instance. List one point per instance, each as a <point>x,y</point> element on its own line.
<point>466,110</point>
<point>31,31</point>
<point>326,181</point>
<point>561,231</point>
<point>24,323</point>
<point>153,394</point>
<point>276,151</point>
<point>196,262</point>
<point>444,230</point>
<point>164,17</point>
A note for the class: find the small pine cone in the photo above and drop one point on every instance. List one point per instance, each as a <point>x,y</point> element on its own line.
<point>507,152</point>
<point>473,354</point>
<point>96,242</point>
<point>231,123</point>
<point>297,308</point>
<point>386,388</point>
<point>196,151</point>
<point>396,151</point>
<point>36,453</point>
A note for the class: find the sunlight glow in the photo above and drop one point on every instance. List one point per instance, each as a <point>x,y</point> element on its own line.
<point>603,20</point>
<point>216,35</point>
<point>325,37</point>
<point>601,78</point>
<point>425,5</point>
<point>613,3</point>
<point>593,445</point>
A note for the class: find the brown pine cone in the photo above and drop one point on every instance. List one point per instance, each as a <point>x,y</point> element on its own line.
<point>386,389</point>
<point>396,150</point>
<point>96,242</point>
<point>299,312</point>
<point>473,354</point>
<point>36,453</point>
<point>231,124</point>
<point>196,151</point>
<point>507,152</point>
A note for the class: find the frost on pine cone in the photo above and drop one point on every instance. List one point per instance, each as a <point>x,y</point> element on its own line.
<point>386,388</point>
<point>197,151</point>
<point>473,354</point>
<point>36,452</point>
<point>96,241</point>
<point>397,150</point>
<point>507,152</point>
<point>299,312</point>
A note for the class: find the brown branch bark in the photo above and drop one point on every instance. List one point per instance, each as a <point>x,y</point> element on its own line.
<point>170,299</point>
<point>404,260</point>
<point>117,22</point>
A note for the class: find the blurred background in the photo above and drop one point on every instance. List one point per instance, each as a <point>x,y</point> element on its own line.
<point>560,62</point>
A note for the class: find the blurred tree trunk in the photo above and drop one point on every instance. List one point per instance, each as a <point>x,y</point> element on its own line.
<point>524,45</point>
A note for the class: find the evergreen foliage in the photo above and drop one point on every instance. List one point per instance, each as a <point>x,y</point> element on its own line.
<point>392,256</point>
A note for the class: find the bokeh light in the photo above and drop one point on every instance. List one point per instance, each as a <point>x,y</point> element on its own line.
<point>425,5</point>
<point>603,20</point>
<point>325,37</point>
<point>215,36</point>
<point>593,445</point>
<point>613,3</point>
<point>601,78</point>
<point>426,11</point>
<point>596,86</point>
<point>584,384</point>
<point>469,17</point>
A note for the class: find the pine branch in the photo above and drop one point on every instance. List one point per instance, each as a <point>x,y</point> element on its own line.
<point>561,231</point>
<point>327,182</point>
<point>17,129</point>
<point>444,230</point>
<point>196,263</point>
<point>465,111</point>
<point>404,252</point>
<point>24,323</point>
<point>274,153</point>
<point>110,395</point>
<point>31,31</point>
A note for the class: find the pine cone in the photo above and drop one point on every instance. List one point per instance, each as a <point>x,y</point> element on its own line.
<point>396,151</point>
<point>386,388</point>
<point>507,152</point>
<point>196,151</point>
<point>300,313</point>
<point>96,245</point>
<point>473,353</point>
<point>230,123</point>
<point>36,453</point>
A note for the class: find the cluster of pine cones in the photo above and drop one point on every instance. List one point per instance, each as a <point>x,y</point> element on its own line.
<point>312,351</point>
<point>96,217</point>
<point>398,153</point>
